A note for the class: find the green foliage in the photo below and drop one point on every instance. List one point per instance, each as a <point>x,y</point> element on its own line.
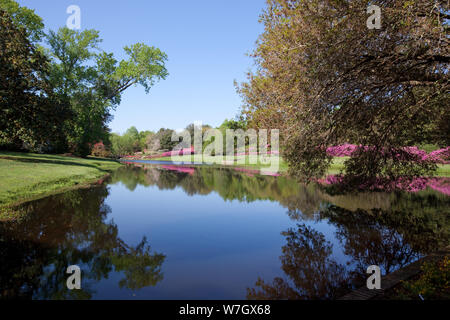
<point>324,79</point>
<point>80,76</point>
<point>144,137</point>
<point>141,267</point>
<point>432,284</point>
<point>133,133</point>
<point>165,141</point>
<point>130,142</point>
<point>32,116</point>
<point>93,82</point>
<point>71,51</point>
<point>24,17</point>
<point>161,140</point>
<point>234,124</point>
<point>145,66</point>
<point>120,145</point>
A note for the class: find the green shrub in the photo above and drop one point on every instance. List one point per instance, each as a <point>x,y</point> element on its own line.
<point>433,283</point>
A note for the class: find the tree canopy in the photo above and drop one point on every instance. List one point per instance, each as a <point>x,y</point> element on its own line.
<point>92,81</point>
<point>67,89</point>
<point>324,78</point>
<point>31,113</point>
<point>25,18</point>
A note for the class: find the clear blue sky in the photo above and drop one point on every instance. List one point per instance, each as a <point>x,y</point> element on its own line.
<point>206,41</point>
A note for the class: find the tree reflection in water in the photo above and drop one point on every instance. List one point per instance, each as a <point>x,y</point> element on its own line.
<point>386,229</point>
<point>70,229</point>
<point>375,228</point>
<point>312,272</point>
<point>389,239</point>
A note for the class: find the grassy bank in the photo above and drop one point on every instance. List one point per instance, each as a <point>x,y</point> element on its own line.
<point>25,176</point>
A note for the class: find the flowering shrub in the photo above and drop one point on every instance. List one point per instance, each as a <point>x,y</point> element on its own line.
<point>441,185</point>
<point>99,150</point>
<point>439,156</point>
<point>187,151</point>
<point>344,150</point>
<point>190,151</point>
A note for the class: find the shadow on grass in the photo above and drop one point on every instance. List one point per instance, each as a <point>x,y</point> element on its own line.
<point>27,158</point>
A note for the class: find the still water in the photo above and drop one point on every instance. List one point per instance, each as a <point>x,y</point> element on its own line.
<point>171,232</point>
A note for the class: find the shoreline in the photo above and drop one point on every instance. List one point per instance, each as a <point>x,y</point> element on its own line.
<point>26,177</point>
<point>29,177</point>
<point>335,168</point>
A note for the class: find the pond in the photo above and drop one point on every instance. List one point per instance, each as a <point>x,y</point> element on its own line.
<point>156,231</point>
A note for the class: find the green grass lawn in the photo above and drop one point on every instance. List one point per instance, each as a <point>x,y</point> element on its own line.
<point>26,176</point>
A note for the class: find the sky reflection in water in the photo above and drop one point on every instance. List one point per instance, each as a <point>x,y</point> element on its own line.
<point>165,232</point>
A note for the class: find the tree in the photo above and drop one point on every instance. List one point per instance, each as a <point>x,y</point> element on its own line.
<point>324,78</point>
<point>133,138</point>
<point>233,124</point>
<point>25,18</point>
<point>130,142</point>
<point>99,150</point>
<point>162,140</point>
<point>139,140</point>
<point>92,81</point>
<point>144,137</point>
<point>165,139</point>
<point>120,145</point>
<point>133,132</point>
<point>30,112</point>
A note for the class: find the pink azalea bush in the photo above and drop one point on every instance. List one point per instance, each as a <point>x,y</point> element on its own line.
<point>186,151</point>
<point>182,169</point>
<point>345,150</point>
<point>441,156</point>
<point>441,185</point>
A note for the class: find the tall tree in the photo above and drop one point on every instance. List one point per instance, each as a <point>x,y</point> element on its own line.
<point>25,18</point>
<point>92,81</point>
<point>30,113</point>
<point>324,78</point>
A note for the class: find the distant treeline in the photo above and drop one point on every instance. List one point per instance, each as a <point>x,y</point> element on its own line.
<point>149,142</point>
